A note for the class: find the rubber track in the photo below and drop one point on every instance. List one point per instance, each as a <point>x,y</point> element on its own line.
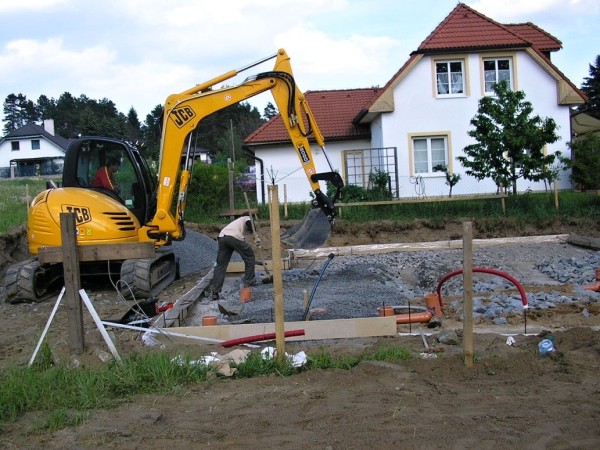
<point>19,282</point>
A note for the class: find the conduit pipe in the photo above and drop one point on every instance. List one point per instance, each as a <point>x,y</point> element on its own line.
<point>420,317</point>
<point>596,286</point>
<point>482,270</point>
<point>260,337</point>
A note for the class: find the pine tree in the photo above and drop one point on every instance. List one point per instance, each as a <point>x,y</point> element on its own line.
<point>591,88</point>
<point>270,111</point>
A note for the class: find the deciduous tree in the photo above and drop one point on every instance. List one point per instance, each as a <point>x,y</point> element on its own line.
<point>509,140</point>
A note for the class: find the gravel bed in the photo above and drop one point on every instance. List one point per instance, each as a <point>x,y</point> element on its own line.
<point>355,286</point>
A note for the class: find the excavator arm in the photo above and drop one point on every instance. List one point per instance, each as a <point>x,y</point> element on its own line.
<point>183,112</point>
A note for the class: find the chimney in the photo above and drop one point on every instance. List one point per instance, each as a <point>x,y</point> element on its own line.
<point>49,126</point>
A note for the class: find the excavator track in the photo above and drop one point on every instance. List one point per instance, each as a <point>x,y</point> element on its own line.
<point>147,277</point>
<point>29,281</point>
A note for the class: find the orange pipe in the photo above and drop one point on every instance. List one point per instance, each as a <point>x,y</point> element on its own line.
<point>593,287</point>
<point>421,317</point>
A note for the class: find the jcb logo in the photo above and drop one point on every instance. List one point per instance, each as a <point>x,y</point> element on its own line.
<point>181,116</point>
<point>303,154</point>
<point>82,213</point>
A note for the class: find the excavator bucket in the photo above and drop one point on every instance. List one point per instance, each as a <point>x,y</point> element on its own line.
<point>312,232</point>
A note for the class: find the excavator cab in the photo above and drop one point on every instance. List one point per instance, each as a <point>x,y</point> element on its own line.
<point>132,185</point>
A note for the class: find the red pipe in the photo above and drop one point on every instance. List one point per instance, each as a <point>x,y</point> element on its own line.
<point>260,337</point>
<point>422,317</point>
<point>482,270</point>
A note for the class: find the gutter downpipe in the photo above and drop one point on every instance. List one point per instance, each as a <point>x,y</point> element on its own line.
<point>261,163</point>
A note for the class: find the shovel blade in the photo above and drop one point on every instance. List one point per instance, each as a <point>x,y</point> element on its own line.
<point>312,232</point>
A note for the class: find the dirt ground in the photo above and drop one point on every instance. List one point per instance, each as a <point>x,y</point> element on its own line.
<point>510,398</point>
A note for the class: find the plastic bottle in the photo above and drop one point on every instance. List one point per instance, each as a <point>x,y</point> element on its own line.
<point>546,346</point>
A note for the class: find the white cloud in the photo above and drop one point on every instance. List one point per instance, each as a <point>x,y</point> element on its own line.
<point>320,62</point>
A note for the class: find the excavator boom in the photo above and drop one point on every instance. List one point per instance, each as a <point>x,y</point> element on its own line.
<point>183,112</point>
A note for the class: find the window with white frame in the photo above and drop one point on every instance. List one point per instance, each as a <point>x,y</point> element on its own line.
<point>35,144</point>
<point>14,146</point>
<point>496,70</point>
<point>428,152</point>
<point>450,79</point>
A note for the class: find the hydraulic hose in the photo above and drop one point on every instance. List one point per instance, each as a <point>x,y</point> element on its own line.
<point>482,270</point>
<point>314,289</point>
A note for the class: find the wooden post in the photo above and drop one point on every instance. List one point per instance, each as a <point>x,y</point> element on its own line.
<point>72,283</point>
<point>468,293</point>
<point>285,209</point>
<point>277,275</point>
<point>556,193</point>
<point>231,194</point>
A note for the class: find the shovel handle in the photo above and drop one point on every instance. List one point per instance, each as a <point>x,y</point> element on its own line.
<point>255,234</point>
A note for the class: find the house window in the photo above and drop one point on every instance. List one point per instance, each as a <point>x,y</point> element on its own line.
<point>495,71</point>
<point>14,145</point>
<point>429,152</point>
<point>35,144</point>
<point>450,77</point>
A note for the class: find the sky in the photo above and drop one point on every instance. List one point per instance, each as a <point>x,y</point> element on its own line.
<point>138,52</point>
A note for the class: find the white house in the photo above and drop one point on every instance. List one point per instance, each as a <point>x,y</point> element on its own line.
<point>32,150</point>
<point>421,117</point>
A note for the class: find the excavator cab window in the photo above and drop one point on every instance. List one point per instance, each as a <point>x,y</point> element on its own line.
<point>112,168</point>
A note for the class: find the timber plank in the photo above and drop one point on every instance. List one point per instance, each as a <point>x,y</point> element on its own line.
<point>314,330</point>
<point>420,246</point>
<point>181,306</point>
<point>238,266</point>
<point>103,252</point>
<point>582,241</point>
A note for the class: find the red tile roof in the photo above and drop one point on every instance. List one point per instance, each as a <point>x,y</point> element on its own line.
<point>335,112</point>
<point>539,38</point>
<point>466,28</point>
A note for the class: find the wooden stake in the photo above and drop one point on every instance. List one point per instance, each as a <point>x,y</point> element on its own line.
<point>468,293</point>
<point>277,275</point>
<point>231,192</point>
<point>285,205</point>
<point>72,283</point>
<point>556,193</point>
<point>305,303</point>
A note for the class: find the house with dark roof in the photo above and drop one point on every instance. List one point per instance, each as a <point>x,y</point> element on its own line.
<point>421,117</point>
<point>32,150</point>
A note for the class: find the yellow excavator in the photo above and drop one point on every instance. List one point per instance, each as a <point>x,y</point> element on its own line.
<point>141,208</point>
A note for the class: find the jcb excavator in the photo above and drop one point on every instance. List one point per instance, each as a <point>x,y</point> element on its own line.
<point>143,209</point>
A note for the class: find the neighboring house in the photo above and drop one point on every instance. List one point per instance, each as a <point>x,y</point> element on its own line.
<point>583,124</point>
<point>32,150</point>
<point>421,117</point>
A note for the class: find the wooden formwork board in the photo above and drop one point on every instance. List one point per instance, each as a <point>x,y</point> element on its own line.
<point>238,266</point>
<point>324,252</point>
<point>313,330</point>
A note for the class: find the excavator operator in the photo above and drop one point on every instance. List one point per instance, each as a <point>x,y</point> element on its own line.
<point>105,175</point>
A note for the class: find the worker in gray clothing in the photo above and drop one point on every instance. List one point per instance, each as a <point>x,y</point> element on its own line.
<point>233,238</point>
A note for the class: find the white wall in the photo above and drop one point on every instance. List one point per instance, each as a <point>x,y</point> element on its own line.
<point>418,111</point>
<point>283,164</point>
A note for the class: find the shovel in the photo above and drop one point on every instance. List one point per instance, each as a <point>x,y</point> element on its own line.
<point>312,232</point>
<point>269,278</point>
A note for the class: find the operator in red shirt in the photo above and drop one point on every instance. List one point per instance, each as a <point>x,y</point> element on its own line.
<point>105,175</point>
